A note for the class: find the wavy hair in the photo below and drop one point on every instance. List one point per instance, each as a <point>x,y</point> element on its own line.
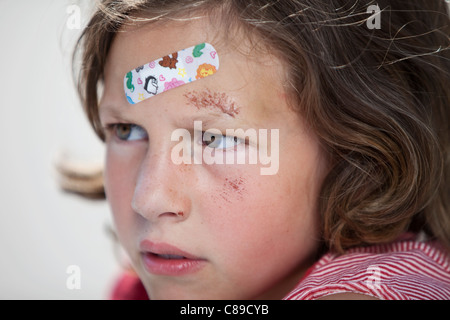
<point>378,99</point>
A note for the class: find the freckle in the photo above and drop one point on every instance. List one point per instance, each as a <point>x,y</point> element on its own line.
<point>224,196</point>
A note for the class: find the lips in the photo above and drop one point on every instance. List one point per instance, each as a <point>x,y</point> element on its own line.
<point>165,259</point>
<point>170,256</point>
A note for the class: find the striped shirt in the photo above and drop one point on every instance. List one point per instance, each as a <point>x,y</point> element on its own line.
<point>407,269</point>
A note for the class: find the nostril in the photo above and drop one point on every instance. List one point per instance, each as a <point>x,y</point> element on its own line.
<point>172,214</point>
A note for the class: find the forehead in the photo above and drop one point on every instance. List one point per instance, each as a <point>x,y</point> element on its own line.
<point>136,45</point>
<point>242,73</point>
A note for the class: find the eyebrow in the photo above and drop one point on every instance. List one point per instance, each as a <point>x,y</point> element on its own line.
<point>111,110</point>
<point>207,99</point>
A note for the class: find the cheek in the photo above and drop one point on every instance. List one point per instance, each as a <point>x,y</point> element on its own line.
<point>260,220</point>
<point>258,233</point>
<point>115,187</point>
<point>119,188</point>
<point>232,192</point>
<point>252,211</point>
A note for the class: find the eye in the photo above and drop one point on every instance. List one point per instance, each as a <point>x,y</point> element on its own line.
<point>219,141</point>
<point>129,132</point>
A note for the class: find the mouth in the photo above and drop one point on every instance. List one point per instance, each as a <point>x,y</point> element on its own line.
<point>165,259</point>
<point>168,256</point>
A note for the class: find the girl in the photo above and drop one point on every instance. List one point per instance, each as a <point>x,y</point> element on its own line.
<point>355,96</point>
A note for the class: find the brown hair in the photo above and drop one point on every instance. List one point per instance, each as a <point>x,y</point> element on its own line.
<point>378,99</point>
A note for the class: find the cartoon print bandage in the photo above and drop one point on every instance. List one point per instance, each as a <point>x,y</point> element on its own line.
<point>170,71</point>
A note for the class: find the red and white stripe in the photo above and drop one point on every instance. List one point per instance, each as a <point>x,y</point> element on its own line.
<point>405,270</point>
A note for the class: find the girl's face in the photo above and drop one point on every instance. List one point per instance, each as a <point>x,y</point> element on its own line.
<point>232,232</point>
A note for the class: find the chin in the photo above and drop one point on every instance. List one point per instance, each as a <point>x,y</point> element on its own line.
<point>169,292</point>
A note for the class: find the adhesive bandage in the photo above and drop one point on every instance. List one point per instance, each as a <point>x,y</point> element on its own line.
<point>170,71</point>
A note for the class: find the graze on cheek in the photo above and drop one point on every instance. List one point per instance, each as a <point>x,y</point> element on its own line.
<point>233,189</point>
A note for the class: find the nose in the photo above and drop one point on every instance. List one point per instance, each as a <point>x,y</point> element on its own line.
<point>160,192</point>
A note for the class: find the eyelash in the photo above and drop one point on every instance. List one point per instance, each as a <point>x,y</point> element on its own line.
<point>114,127</point>
<point>236,141</point>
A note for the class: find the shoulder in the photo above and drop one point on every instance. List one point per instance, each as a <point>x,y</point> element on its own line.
<point>402,270</point>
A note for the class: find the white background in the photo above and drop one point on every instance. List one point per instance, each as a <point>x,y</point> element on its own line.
<point>43,230</point>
